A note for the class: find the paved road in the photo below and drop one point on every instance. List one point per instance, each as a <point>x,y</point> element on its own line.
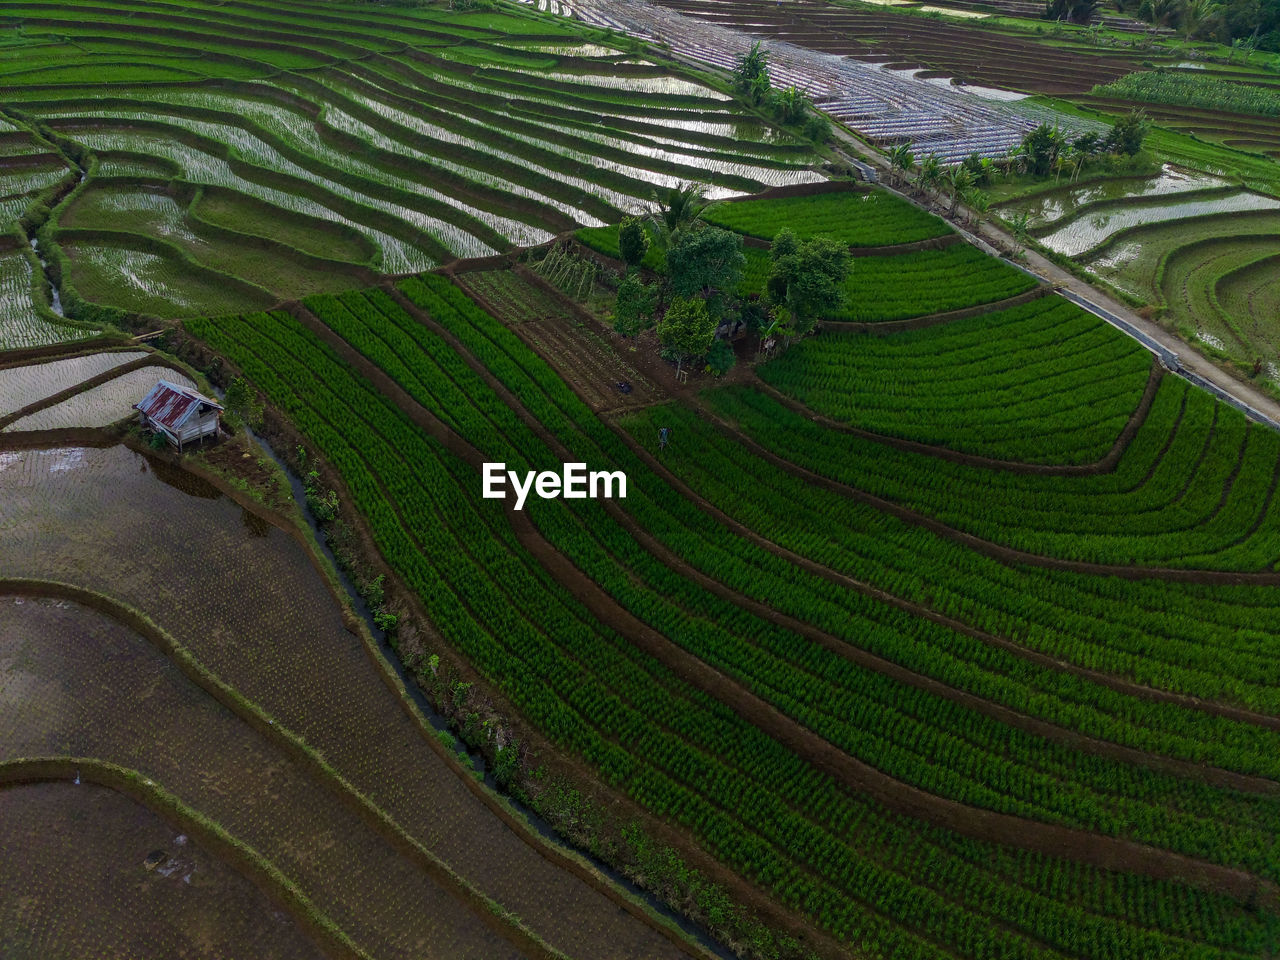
<point>1177,354</point>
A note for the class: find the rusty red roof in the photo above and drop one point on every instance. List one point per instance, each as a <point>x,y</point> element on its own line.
<point>171,405</point>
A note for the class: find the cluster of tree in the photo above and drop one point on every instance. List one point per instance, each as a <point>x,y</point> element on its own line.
<point>789,106</point>
<point>1045,151</point>
<point>694,296</point>
<point>1245,24</point>
<point>694,292</point>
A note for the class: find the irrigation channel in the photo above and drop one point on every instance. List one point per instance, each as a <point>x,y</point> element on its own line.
<point>439,723</point>
<point>55,298</point>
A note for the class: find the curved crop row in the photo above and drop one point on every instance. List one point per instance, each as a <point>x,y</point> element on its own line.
<point>974,384</point>
<point>271,351</point>
<point>1194,494</point>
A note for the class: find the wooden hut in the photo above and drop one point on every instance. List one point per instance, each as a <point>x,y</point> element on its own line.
<point>179,413</point>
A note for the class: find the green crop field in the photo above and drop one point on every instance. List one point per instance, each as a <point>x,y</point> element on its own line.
<point>927,615</point>
<point>692,573</point>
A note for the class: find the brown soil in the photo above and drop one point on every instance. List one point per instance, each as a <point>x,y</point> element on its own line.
<point>88,845</point>
<point>970,51</point>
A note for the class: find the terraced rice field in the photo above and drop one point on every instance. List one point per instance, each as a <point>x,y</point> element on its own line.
<point>169,896</point>
<point>1195,248</point>
<point>1045,208</point>
<point>911,285</point>
<point>1091,227</point>
<point>1041,361</point>
<point>155,284</point>
<point>21,386</point>
<point>386,837</point>
<point>404,142</point>
<point>946,633</point>
<point>20,324</point>
<point>799,549</point>
<point>30,170</point>
<point>99,406</point>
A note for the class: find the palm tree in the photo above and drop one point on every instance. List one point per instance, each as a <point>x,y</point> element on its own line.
<point>930,176</point>
<point>901,159</point>
<point>960,181</point>
<point>681,209</point>
<point>980,203</point>
<point>1020,227</point>
<point>1199,16</point>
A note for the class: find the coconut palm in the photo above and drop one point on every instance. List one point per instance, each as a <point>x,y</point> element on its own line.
<point>1199,17</point>
<point>930,176</point>
<point>901,159</point>
<point>980,203</point>
<point>681,209</point>
<point>960,181</point>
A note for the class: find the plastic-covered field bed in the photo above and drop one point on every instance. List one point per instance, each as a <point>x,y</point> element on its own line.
<point>953,49</point>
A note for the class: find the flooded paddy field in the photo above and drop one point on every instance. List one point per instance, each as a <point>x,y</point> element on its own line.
<point>1096,224</point>
<point>80,684</point>
<point>1198,251</point>
<point>99,406</point>
<point>21,386</point>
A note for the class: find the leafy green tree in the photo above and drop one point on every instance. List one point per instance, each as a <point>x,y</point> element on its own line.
<point>634,307</point>
<point>242,404</point>
<point>720,358</point>
<point>706,264</point>
<point>1041,147</point>
<point>1128,133</point>
<point>751,76</point>
<point>790,105</point>
<point>817,127</point>
<point>806,280</point>
<point>633,241</point>
<point>687,329</point>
